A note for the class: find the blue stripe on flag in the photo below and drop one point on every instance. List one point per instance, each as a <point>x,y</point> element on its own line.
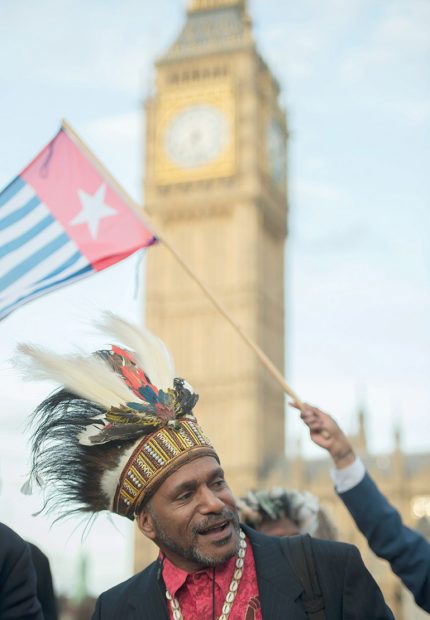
<point>29,263</point>
<point>20,213</point>
<point>10,190</point>
<point>27,236</point>
<point>54,285</point>
<point>70,261</point>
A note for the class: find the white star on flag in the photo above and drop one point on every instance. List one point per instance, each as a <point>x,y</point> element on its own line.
<point>43,250</point>
<point>93,210</point>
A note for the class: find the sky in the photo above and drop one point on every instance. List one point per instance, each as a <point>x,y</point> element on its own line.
<point>354,80</point>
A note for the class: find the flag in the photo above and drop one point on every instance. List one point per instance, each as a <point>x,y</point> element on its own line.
<point>61,220</point>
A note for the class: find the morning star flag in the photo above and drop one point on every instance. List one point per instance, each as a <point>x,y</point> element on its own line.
<point>61,220</point>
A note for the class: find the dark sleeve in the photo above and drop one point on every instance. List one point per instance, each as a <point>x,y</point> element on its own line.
<point>97,613</point>
<point>362,598</point>
<point>406,550</point>
<point>18,599</point>
<point>45,588</point>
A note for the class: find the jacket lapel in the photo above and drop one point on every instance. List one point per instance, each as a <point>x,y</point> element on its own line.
<point>278,585</point>
<point>147,601</point>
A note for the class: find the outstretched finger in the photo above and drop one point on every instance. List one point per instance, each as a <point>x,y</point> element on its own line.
<point>308,416</point>
<point>296,405</point>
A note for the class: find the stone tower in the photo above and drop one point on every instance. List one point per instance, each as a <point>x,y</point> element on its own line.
<point>215,184</point>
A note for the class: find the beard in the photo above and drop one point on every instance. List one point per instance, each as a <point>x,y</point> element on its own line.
<point>192,552</point>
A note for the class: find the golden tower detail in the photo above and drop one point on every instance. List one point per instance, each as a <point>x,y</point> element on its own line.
<point>215,184</point>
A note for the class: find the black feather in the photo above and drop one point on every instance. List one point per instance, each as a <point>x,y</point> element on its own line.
<point>71,472</point>
<point>122,432</point>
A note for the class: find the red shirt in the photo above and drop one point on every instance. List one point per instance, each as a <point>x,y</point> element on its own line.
<point>194,590</point>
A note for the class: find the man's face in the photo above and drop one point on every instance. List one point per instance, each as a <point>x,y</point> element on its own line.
<point>192,516</point>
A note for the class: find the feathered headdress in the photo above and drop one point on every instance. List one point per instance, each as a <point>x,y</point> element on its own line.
<point>118,425</point>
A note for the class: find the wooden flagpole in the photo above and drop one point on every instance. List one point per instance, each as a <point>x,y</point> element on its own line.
<point>137,208</point>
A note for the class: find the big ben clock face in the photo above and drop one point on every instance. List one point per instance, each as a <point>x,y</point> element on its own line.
<point>196,136</point>
<point>195,133</point>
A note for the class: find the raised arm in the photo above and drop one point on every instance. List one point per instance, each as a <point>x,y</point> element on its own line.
<point>405,549</point>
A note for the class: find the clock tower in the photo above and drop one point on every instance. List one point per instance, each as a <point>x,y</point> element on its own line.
<point>215,184</point>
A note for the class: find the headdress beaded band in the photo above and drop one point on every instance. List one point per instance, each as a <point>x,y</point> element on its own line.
<point>153,459</point>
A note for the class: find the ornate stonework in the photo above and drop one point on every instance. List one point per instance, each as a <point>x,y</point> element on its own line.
<point>212,26</point>
<point>215,184</point>
<point>221,201</point>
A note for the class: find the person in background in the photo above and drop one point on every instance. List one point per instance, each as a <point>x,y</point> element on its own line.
<point>18,600</point>
<point>279,512</point>
<point>121,435</point>
<point>45,588</point>
<point>407,551</point>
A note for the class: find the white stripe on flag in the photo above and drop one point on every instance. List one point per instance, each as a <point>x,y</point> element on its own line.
<point>26,223</point>
<point>12,296</point>
<point>17,201</point>
<point>14,258</point>
<point>53,261</point>
<point>77,266</point>
<point>21,298</point>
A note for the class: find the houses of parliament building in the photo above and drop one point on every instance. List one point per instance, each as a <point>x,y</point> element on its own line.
<point>215,183</point>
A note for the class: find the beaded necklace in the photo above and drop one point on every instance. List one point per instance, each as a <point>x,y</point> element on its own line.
<point>231,594</point>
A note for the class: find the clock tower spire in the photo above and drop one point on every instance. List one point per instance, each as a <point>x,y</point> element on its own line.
<point>205,5</point>
<point>215,183</point>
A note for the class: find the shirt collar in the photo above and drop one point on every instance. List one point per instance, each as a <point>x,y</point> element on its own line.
<point>175,577</point>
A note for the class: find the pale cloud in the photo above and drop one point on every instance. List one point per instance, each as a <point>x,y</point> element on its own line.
<point>297,42</point>
<point>334,49</point>
<point>397,47</point>
<point>54,44</point>
<point>324,217</point>
<point>355,67</point>
<point>414,111</point>
<point>317,192</point>
<point>407,32</point>
<point>387,404</point>
<point>291,52</point>
<point>119,138</point>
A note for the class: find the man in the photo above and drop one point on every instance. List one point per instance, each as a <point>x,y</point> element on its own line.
<point>45,587</point>
<point>279,512</point>
<point>121,436</point>
<point>18,599</point>
<point>406,550</point>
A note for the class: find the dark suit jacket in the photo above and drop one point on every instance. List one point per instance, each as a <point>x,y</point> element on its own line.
<point>45,588</point>
<point>406,550</point>
<point>349,590</point>
<point>17,579</point>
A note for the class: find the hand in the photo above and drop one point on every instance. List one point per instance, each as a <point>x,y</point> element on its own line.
<point>326,433</point>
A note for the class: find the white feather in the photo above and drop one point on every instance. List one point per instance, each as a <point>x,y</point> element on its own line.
<point>110,478</point>
<point>90,377</point>
<point>151,352</point>
<point>84,437</point>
